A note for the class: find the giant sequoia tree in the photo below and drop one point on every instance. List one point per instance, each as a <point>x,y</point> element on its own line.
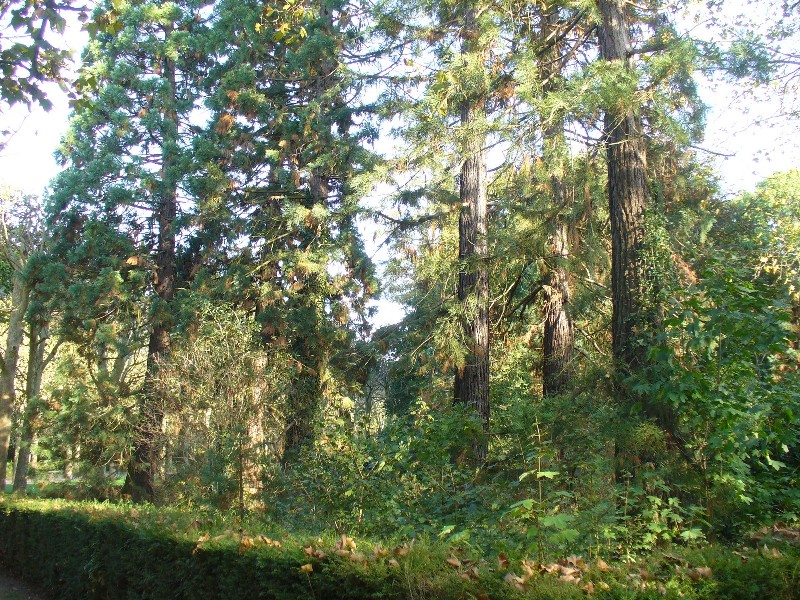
<point>472,379</point>
<point>661,98</point>
<point>285,148</point>
<point>129,164</point>
<point>628,196</point>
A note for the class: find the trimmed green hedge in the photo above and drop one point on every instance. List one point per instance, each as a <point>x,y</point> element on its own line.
<point>79,556</point>
<point>101,552</point>
<point>88,552</point>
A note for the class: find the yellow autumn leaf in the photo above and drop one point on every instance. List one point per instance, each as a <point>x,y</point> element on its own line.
<point>602,565</point>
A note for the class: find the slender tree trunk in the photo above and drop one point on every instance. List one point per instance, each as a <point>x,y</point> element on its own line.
<point>558,340</point>
<point>472,381</point>
<point>33,388</point>
<point>72,464</point>
<point>559,337</point>
<point>20,297</point>
<point>139,483</point>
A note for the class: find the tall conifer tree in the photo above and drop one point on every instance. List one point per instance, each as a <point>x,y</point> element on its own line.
<point>558,339</point>
<point>287,144</point>
<point>129,166</point>
<point>628,194</point>
<point>472,380</point>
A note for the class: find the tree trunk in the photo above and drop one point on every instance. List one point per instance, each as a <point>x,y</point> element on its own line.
<point>633,303</point>
<point>33,388</point>
<point>20,297</point>
<point>472,381</point>
<point>72,464</point>
<point>559,337</point>
<point>558,340</point>
<point>143,466</point>
<point>628,196</point>
<point>304,399</point>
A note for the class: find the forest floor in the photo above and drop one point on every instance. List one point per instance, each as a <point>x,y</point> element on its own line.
<point>11,589</point>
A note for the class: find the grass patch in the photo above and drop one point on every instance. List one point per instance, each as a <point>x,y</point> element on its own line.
<point>89,550</point>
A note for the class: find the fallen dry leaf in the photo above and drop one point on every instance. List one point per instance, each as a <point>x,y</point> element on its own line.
<point>453,561</point>
<point>602,565</point>
<point>699,573</point>
<point>588,588</point>
<point>529,568</point>
<point>551,568</point>
<point>268,541</point>
<point>393,562</point>
<point>358,557</point>
<point>775,553</point>
<point>502,561</point>
<point>576,561</point>
<point>345,543</point>
<point>514,581</point>
<point>307,568</point>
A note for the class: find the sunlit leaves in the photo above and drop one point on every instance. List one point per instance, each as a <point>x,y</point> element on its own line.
<point>27,56</point>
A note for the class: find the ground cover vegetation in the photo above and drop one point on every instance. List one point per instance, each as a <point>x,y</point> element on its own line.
<point>596,378</point>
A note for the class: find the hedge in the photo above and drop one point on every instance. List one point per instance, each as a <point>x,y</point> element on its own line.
<point>88,552</point>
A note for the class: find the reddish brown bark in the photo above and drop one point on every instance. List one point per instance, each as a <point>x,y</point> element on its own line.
<point>628,195</point>
<point>558,342</point>
<point>633,302</point>
<point>139,483</point>
<point>472,381</point>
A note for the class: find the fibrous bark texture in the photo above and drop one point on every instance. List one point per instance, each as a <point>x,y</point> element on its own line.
<point>472,381</point>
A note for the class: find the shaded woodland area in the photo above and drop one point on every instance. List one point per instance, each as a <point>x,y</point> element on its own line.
<point>599,348</point>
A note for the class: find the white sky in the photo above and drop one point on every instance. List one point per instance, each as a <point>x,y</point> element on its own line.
<point>27,161</point>
<point>759,143</point>
<point>756,151</point>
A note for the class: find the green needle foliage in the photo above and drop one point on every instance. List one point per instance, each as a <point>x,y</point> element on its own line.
<point>559,246</point>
